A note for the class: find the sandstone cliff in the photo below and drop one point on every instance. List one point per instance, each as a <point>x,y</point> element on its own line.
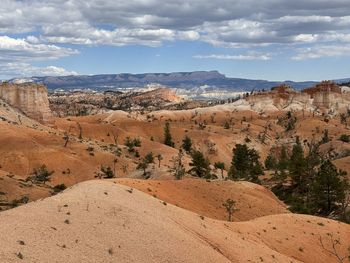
<point>31,99</point>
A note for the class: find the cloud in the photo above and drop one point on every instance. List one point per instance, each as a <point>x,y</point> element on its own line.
<point>16,49</point>
<point>320,51</point>
<point>252,56</point>
<point>9,70</point>
<point>231,24</point>
<point>83,33</point>
<point>222,23</point>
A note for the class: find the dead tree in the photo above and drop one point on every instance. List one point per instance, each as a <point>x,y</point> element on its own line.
<point>66,139</point>
<point>80,131</point>
<point>230,208</point>
<point>333,251</point>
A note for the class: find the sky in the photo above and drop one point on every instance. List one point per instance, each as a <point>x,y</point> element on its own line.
<point>256,39</point>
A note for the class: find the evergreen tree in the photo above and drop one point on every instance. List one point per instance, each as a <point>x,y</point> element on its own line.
<point>187,144</point>
<point>143,165</point>
<point>40,175</point>
<point>200,165</point>
<point>270,162</point>
<point>149,158</point>
<point>221,166</point>
<point>325,137</point>
<point>329,188</point>
<point>245,163</point>
<point>107,172</point>
<point>297,165</point>
<point>283,160</point>
<point>168,140</point>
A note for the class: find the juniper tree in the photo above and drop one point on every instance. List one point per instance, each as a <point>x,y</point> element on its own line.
<point>40,175</point>
<point>187,144</point>
<point>271,162</point>
<point>199,164</point>
<point>107,172</point>
<point>168,140</point>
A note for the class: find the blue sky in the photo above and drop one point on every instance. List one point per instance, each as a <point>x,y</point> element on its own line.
<point>271,39</point>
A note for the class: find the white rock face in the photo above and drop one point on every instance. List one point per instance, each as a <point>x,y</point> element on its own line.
<point>30,98</point>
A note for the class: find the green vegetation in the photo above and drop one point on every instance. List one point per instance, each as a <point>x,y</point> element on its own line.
<point>230,208</point>
<point>221,166</point>
<point>344,138</point>
<point>132,143</point>
<point>178,168</point>
<point>310,183</point>
<point>143,165</point>
<point>168,140</point>
<point>187,144</point>
<point>40,175</point>
<point>245,164</point>
<point>199,164</point>
<point>106,172</point>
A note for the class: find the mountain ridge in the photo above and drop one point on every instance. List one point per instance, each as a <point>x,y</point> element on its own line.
<point>184,80</point>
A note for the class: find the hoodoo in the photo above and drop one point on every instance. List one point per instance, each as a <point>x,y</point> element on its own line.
<point>29,98</point>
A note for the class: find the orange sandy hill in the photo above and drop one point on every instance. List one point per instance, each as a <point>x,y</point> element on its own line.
<point>99,221</point>
<point>206,197</point>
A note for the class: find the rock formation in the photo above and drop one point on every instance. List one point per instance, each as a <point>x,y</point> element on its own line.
<point>325,96</point>
<point>31,99</point>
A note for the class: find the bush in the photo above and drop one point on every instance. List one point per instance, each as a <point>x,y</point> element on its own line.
<point>59,188</point>
<point>344,138</point>
<point>106,172</point>
<point>40,175</point>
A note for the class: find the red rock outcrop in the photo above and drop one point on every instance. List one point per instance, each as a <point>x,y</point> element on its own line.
<point>29,98</point>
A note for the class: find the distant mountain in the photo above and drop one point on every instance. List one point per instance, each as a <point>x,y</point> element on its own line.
<point>209,80</point>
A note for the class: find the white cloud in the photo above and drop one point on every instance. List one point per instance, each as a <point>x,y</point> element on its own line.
<point>252,56</point>
<point>16,49</point>
<point>224,23</point>
<point>83,33</point>
<point>9,70</point>
<point>320,51</point>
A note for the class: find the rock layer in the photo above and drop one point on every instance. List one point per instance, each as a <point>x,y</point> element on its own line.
<point>31,99</point>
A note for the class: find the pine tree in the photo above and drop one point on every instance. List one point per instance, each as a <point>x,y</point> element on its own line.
<point>187,144</point>
<point>168,140</point>
<point>297,165</point>
<point>325,137</point>
<point>270,162</point>
<point>329,188</point>
<point>245,163</point>
<point>200,165</point>
<point>283,160</point>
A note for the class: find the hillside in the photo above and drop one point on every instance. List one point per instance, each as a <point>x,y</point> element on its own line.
<point>99,221</point>
<point>206,197</point>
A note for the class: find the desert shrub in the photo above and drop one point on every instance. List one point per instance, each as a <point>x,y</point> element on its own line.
<point>40,175</point>
<point>59,188</point>
<point>344,138</point>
